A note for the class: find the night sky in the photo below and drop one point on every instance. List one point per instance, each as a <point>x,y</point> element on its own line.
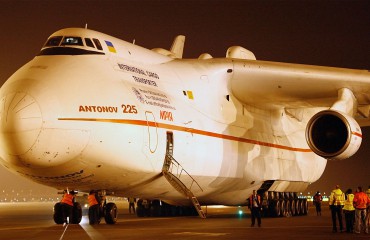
<point>328,33</point>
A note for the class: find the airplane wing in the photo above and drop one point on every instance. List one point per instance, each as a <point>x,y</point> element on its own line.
<point>276,85</point>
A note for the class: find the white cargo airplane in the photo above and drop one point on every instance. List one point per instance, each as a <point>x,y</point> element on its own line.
<point>93,112</point>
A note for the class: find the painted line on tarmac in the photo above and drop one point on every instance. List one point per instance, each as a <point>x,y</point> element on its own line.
<point>65,229</point>
<point>284,227</point>
<point>203,234</point>
<point>23,228</point>
<point>90,230</point>
<point>147,219</point>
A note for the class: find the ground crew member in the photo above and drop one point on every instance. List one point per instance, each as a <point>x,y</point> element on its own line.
<point>131,204</point>
<point>67,205</point>
<point>256,206</point>
<point>317,199</point>
<point>336,203</point>
<point>94,203</point>
<point>349,211</point>
<point>360,202</point>
<point>368,210</point>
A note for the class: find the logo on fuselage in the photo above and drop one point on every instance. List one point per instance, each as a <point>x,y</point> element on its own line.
<point>166,115</point>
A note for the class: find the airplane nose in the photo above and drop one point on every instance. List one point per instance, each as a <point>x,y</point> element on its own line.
<point>21,122</point>
<point>32,136</point>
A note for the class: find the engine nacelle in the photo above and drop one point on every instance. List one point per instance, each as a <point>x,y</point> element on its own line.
<point>333,135</point>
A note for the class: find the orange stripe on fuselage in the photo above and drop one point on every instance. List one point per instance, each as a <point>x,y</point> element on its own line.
<point>185,129</point>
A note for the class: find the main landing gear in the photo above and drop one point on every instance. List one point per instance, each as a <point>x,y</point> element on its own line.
<point>105,210</point>
<point>157,208</point>
<point>278,204</point>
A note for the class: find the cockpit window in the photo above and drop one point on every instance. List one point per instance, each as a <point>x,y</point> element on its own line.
<point>72,41</point>
<point>53,41</point>
<point>97,43</point>
<point>89,43</point>
<point>65,45</point>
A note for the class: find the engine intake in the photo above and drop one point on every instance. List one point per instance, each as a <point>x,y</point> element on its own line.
<point>333,135</point>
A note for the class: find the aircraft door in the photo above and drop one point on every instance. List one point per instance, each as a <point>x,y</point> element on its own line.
<point>169,146</point>
<point>152,131</point>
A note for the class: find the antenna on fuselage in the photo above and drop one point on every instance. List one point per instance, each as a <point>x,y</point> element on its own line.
<point>85,25</point>
<point>133,41</point>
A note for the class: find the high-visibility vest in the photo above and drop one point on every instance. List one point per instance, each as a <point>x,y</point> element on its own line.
<point>92,200</point>
<point>336,198</point>
<point>361,200</point>
<point>348,204</point>
<point>67,199</point>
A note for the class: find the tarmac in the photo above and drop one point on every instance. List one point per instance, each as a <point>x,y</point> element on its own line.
<point>34,221</point>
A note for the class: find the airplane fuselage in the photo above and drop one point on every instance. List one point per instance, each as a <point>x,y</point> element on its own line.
<point>103,121</point>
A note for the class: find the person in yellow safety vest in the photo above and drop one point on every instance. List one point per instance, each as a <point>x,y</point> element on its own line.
<point>336,203</point>
<point>94,203</point>
<point>349,211</point>
<point>361,202</point>
<point>67,203</point>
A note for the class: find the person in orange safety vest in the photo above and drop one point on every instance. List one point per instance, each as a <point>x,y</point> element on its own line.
<point>67,203</point>
<point>361,202</point>
<point>368,210</point>
<point>94,209</point>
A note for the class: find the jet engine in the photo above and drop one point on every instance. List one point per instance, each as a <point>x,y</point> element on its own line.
<point>333,135</point>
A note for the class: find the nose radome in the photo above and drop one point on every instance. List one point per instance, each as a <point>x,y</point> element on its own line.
<point>31,135</point>
<point>21,122</point>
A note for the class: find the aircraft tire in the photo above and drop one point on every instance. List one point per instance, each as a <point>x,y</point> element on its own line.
<point>284,208</point>
<point>295,207</point>
<point>140,211</point>
<point>111,213</point>
<point>276,208</point>
<point>298,207</point>
<point>155,210</point>
<point>305,207</point>
<point>140,208</point>
<point>58,215</point>
<point>76,213</point>
<point>289,207</point>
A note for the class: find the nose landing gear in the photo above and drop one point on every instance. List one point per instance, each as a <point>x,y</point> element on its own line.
<point>100,208</point>
<point>60,212</point>
<point>97,211</point>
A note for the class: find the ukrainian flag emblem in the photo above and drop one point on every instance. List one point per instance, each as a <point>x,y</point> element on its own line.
<point>190,94</point>
<point>110,47</point>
